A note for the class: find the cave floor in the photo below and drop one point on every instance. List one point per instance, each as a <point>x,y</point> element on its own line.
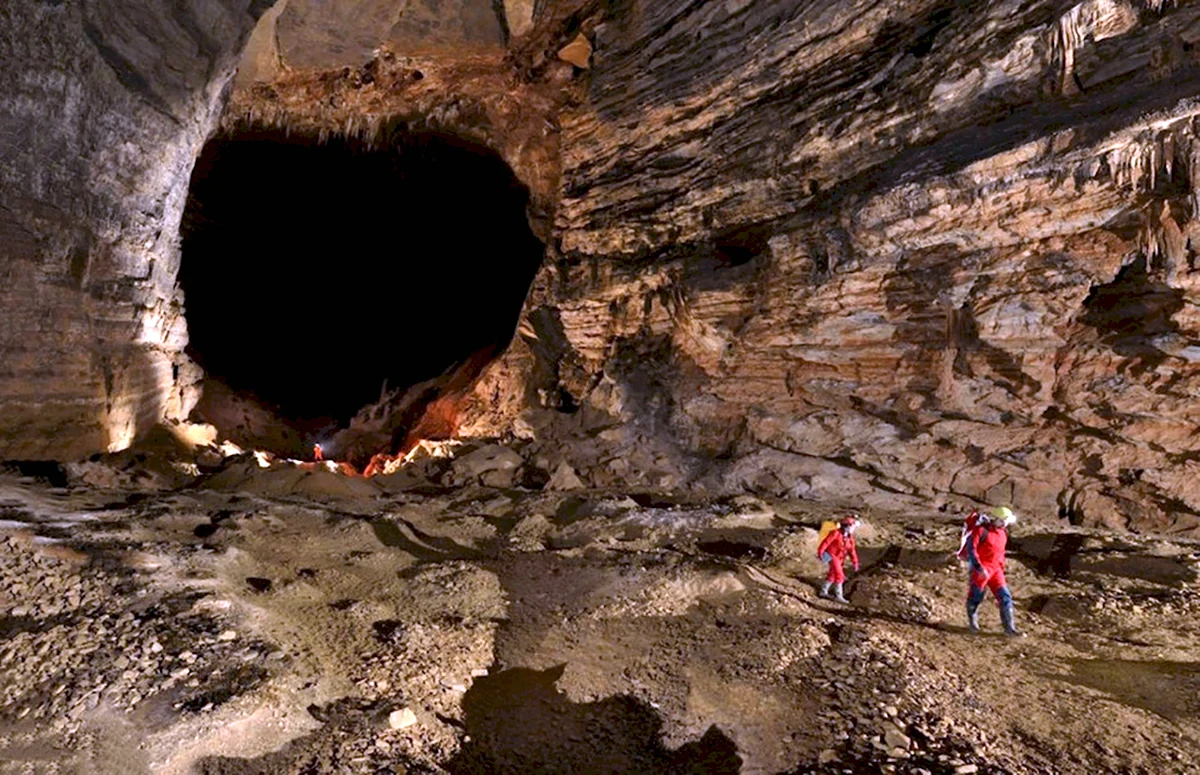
<point>488,631</point>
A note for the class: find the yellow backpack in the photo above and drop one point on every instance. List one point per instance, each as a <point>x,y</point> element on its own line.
<point>827,527</point>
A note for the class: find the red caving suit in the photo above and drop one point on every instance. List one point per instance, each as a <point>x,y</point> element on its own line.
<point>838,546</point>
<point>987,552</point>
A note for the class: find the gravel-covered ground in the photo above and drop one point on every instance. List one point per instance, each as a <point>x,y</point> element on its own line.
<point>487,630</point>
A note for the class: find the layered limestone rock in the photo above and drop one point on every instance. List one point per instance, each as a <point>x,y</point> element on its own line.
<point>923,251</point>
<point>103,109</point>
<point>103,114</point>
<point>302,35</point>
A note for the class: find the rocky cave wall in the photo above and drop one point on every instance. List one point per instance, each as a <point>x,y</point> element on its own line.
<point>918,252</point>
<point>327,34</point>
<point>103,109</point>
<point>906,253</point>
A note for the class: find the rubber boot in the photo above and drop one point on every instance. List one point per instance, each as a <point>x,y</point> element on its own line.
<point>974,598</point>
<point>824,593</point>
<point>1006,612</point>
<point>972,615</point>
<point>837,594</point>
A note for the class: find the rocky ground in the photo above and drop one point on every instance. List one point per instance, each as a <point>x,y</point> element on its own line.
<point>309,628</point>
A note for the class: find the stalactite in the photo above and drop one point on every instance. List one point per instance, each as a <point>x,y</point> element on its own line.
<point>1095,19</point>
<point>1137,164</point>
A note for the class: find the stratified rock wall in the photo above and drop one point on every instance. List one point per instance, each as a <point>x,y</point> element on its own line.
<point>922,251</point>
<point>103,109</point>
<point>933,251</point>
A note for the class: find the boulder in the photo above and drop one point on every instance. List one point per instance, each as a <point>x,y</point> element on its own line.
<point>493,465</point>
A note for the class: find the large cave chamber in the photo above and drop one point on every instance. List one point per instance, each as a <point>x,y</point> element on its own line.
<point>320,274</point>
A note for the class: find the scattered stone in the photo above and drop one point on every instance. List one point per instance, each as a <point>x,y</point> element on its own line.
<point>578,52</point>
<point>564,478</point>
<point>402,718</point>
<point>895,738</point>
<point>493,465</point>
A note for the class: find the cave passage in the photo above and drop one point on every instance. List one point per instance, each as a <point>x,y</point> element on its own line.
<point>314,271</point>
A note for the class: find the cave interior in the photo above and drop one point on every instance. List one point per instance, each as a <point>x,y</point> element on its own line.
<point>318,274</point>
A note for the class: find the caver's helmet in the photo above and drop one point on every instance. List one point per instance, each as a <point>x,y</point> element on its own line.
<point>849,523</point>
<point>1002,515</point>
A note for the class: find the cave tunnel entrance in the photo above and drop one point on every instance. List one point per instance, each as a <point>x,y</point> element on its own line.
<point>314,271</point>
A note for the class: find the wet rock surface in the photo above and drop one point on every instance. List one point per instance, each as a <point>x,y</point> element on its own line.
<point>480,630</point>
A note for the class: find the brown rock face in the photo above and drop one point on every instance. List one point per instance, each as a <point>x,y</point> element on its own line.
<point>921,251</point>
<point>931,250</point>
<point>321,34</point>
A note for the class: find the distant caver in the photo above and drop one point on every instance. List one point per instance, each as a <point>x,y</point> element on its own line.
<point>984,547</point>
<point>834,549</point>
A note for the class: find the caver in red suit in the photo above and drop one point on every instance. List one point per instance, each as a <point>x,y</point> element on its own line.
<point>836,547</point>
<point>985,552</point>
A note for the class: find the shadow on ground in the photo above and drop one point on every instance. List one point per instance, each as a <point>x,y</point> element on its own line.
<point>1066,555</point>
<point>518,722</point>
<point>1166,688</point>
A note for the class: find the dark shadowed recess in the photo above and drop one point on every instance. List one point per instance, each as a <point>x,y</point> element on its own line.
<point>1137,303</point>
<point>313,271</point>
<point>518,722</point>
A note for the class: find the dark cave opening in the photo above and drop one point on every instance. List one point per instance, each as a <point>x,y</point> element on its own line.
<point>315,272</point>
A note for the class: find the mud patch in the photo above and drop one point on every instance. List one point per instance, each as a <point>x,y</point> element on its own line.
<point>897,556</point>
<point>1157,570</point>
<point>48,472</point>
<point>219,689</point>
<point>1068,555</point>
<point>408,538</point>
<point>325,749</point>
<point>11,626</point>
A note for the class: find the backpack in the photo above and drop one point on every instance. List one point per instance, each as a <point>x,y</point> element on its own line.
<point>969,524</point>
